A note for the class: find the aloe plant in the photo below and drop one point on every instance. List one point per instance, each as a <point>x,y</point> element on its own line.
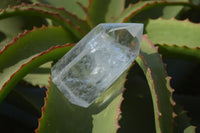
<point>162,92</point>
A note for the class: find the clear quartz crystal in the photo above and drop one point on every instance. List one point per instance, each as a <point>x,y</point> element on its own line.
<point>91,66</point>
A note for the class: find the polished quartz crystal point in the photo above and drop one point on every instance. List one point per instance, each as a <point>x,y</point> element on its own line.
<point>91,66</point>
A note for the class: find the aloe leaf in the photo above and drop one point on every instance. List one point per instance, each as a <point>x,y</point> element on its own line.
<point>8,30</point>
<point>5,3</point>
<point>39,76</point>
<point>95,12</point>
<point>190,129</point>
<point>64,18</point>
<point>180,33</point>
<point>118,6</point>
<point>131,11</point>
<point>137,107</point>
<point>185,81</point>
<point>69,5</point>
<point>160,89</point>
<point>141,6</point>
<point>22,50</point>
<point>196,2</point>
<point>190,104</point>
<point>101,116</point>
<point>53,53</point>
<point>181,52</point>
<point>79,23</point>
<point>172,11</point>
<point>26,96</point>
<point>111,100</point>
<point>182,121</point>
<point>179,39</point>
<point>164,11</point>
<point>111,9</point>
<point>73,18</point>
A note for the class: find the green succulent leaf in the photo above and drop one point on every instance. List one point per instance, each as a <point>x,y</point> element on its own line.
<point>181,52</point>
<point>132,10</point>
<point>24,49</point>
<point>97,15</point>
<point>111,14</point>
<point>190,104</point>
<point>79,23</point>
<point>172,11</point>
<point>8,29</point>
<point>190,129</point>
<point>165,11</point>
<point>27,104</point>
<point>62,17</point>
<point>179,39</point>
<point>160,89</point>
<point>183,123</point>
<point>40,75</point>
<point>137,107</point>
<point>95,12</point>
<point>52,54</point>
<point>142,6</point>
<point>196,2</point>
<point>180,33</point>
<point>5,3</point>
<point>69,5</point>
<point>73,18</point>
<point>101,116</point>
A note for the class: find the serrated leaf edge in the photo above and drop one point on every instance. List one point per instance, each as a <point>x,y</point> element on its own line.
<point>56,17</point>
<point>174,45</point>
<point>171,90</point>
<point>150,4</point>
<point>24,65</point>
<point>45,103</point>
<point>18,37</point>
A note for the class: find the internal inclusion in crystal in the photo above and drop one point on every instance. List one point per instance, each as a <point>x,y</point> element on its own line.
<point>90,67</point>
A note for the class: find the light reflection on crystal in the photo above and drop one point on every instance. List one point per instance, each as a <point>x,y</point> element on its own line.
<point>85,72</point>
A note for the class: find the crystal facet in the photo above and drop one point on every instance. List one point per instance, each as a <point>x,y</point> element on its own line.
<point>91,66</point>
